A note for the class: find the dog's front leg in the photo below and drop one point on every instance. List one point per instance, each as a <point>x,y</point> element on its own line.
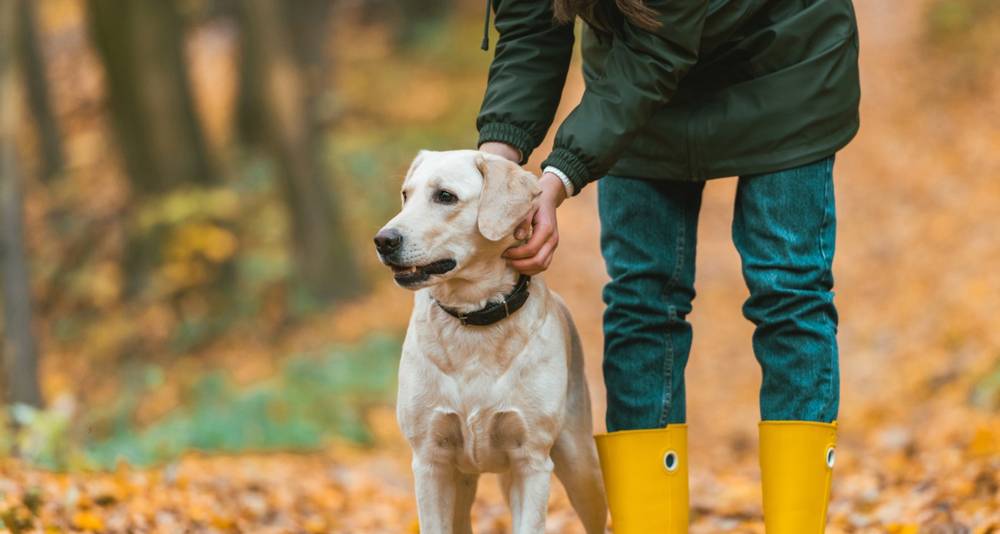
<point>529,495</point>
<point>436,492</point>
<point>465,495</point>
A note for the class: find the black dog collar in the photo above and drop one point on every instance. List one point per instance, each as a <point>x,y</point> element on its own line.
<point>494,311</point>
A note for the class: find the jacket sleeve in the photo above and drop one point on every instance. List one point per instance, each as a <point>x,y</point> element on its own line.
<point>527,74</point>
<point>641,73</point>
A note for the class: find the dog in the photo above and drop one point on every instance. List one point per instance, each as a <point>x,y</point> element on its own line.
<point>491,378</point>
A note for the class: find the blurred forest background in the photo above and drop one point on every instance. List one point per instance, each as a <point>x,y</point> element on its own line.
<point>197,336</point>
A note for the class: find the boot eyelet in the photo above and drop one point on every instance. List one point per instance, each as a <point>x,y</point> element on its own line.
<point>831,457</point>
<point>670,461</point>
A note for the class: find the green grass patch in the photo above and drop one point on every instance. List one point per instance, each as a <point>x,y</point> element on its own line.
<point>314,398</point>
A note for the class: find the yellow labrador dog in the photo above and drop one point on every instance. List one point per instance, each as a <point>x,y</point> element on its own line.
<point>491,378</point>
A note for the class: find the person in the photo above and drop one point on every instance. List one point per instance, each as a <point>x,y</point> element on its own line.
<point>679,92</point>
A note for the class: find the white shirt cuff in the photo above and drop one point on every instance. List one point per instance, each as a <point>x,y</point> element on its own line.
<point>562,176</point>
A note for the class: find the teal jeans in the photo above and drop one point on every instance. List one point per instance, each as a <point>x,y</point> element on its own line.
<point>784,227</point>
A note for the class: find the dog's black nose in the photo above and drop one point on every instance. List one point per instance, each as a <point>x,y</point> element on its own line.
<point>388,241</point>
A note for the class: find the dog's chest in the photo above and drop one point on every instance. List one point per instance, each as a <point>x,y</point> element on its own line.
<point>477,402</point>
<point>478,422</point>
<point>476,441</point>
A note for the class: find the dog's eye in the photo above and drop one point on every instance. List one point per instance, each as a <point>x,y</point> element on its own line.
<point>445,197</point>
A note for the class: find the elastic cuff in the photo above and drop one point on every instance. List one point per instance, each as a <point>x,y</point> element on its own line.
<point>567,162</point>
<point>503,132</point>
<point>567,184</point>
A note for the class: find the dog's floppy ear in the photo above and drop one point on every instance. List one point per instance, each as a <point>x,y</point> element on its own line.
<point>506,198</point>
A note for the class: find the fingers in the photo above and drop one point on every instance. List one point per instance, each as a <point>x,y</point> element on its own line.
<point>535,256</point>
<point>523,230</point>
<point>541,233</point>
<point>540,261</point>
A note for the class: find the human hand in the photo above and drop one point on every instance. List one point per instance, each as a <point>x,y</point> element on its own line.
<point>535,256</point>
<point>502,149</point>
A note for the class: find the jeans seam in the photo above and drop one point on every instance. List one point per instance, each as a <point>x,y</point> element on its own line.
<point>826,205</point>
<point>668,379</point>
<point>668,362</point>
<point>827,263</point>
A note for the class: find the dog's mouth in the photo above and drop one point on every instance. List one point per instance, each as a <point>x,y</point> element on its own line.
<point>415,274</point>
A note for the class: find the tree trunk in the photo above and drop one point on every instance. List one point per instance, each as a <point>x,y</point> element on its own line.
<point>307,26</point>
<point>308,23</point>
<point>141,45</point>
<point>21,360</point>
<point>37,85</point>
<point>285,100</point>
<point>410,20</point>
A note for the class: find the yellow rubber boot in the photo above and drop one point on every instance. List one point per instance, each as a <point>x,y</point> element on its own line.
<point>646,479</point>
<point>796,465</point>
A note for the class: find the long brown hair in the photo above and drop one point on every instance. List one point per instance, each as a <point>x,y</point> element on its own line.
<point>635,11</point>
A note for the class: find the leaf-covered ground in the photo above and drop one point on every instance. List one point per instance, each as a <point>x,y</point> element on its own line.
<point>920,342</point>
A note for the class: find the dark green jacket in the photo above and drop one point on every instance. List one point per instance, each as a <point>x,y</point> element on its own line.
<point>722,88</point>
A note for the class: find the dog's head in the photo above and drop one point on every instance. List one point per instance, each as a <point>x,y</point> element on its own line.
<point>458,206</point>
